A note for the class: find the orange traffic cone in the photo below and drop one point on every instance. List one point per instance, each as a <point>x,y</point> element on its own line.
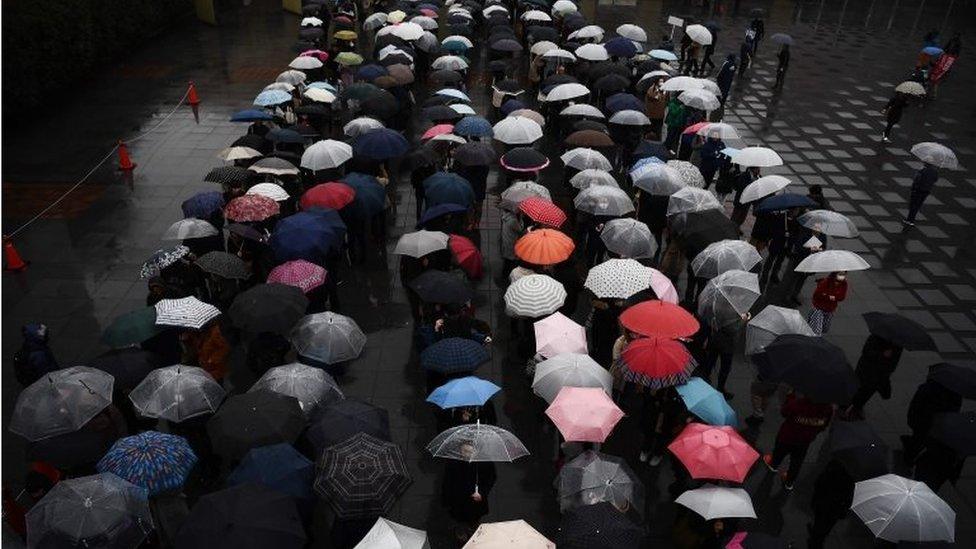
<point>14,261</point>
<point>125,163</point>
<point>194,100</point>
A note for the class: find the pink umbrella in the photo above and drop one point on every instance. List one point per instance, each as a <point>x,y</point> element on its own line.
<point>714,452</point>
<point>299,273</point>
<point>557,334</point>
<point>584,414</point>
<point>662,286</point>
<point>322,56</point>
<point>439,129</point>
<point>695,127</point>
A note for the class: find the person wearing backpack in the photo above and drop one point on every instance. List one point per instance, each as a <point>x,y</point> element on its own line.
<point>34,359</point>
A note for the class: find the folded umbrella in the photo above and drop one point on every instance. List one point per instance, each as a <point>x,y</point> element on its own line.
<point>897,509</point>
<point>255,419</point>
<point>725,255</point>
<point>362,476</point>
<point>812,365</point>
<point>707,403</point>
<point>386,534</point>
<point>312,387</point>
<point>61,402</point>
<point>593,477</point>
<point>435,286</point>
<point>899,330</point>
<point>177,393</point>
<point>246,516</point>
<point>628,238</point>
<point>327,337</point>
<point>655,318</point>
<point>277,466</point>
<point>830,261</point>
<point>534,296</point>
<point>465,391</point>
<point>155,461</point>
<point>655,362</point>
<point>584,414</point>
<point>618,279</point>
<point>716,502</point>
<point>345,418</point>
<point>598,526</point>
<point>771,322</point>
<point>454,355</point>
<point>272,308</point>
<point>557,334</point>
<point>544,247</point>
<point>420,243</point>
<point>568,370</point>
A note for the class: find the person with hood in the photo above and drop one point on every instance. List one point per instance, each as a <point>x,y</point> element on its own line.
<point>922,185</point>
<point>879,358</point>
<point>784,63</point>
<point>893,111</point>
<point>34,359</point>
<point>726,74</point>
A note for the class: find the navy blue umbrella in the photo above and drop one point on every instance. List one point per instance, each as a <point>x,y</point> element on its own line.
<point>440,210</point>
<point>649,149</point>
<point>370,194</point>
<point>250,115</point>
<point>623,102</point>
<point>380,144</point>
<point>284,135</point>
<point>279,467</point>
<point>454,355</point>
<point>345,418</point>
<point>311,235</point>
<point>473,126</point>
<point>203,205</point>
<point>620,47</point>
<point>511,106</point>
<point>446,187</point>
<point>784,202</point>
<point>370,72</point>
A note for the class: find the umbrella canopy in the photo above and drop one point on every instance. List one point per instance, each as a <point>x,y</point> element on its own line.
<point>593,477</point>
<point>475,153</point>
<point>657,318</point>
<point>542,211</point>
<point>386,534</point>
<point>313,236</point>
<point>935,154</point>
<point>700,99</point>
<point>448,188</point>
<point>524,159</point>
<point>246,516</point>
<point>519,191</point>
<point>358,126</point>
<point>544,247</point>
<point>203,205</point>
<point>901,331</point>
<point>299,273</point>
<point>131,328</point>
<point>590,177</point>
<point>327,337</point>
<point>567,91</point>
<point>725,255</point>
<point>598,526</point>
<point>784,201</point>
<point>312,387</point>
<point>618,279</point>
<point>582,158</point>
<point>781,38</point>
<point>332,195</point>
<point>475,442</point>
<point>254,419</point>
<point>454,355</point>
<point>714,452</point>
<point>656,362</point>
<point>589,134</point>
<point>127,366</point>
<point>435,286</point>
<point>362,476</point>
<point>95,511</point>
<point>699,33</point>
<point>829,223</point>
<point>957,431</point>
<point>277,466</point>
<point>830,261</point>
<point>473,126</point>
<point>512,533</point>
<point>592,52</point>
<point>897,509</point>
<point>690,200</point>
<point>628,238</point>
<point>707,403</point>
<point>345,418</point>
<point>152,460</point>
<point>272,308</point>
<point>251,207</point>
<point>557,334</point>
<point>467,255</point>
<point>727,297</point>
<point>584,414</point>
<point>658,179</point>
<point>176,393</point>
<point>161,259</point>
<point>814,366</point>
<point>189,228</point>
<point>273,166</point>
<point>604,200</point>
<point>420,243</point>
<point>224,265</point>
<point>569,370</point>
<point>958,379</point>
<point>858,448</point>
<point>61,402</point>
<point>517,130</point>
<point>534,296</point>
<point>759,157</point>
<point>465,391</point>
<point>715,502</point>
<point>763,187</point>
<point>582,109</point>
<point>772,322</point>
<point>325,155</point>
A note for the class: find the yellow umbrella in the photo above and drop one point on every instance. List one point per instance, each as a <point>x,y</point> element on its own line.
<point>345,35</point>
<point>396,16</point>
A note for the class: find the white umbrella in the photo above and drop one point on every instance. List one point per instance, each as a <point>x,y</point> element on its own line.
<point>719,130</point>
<point>581,109</point>
<point>590,177</point>
<point>531,115</point>
<point>771,323</point>
<point>699,34</point>
<point>663,55</point>
<point>565,92</point>
<point>327,337</point>
<point>938,155</point>
<point>658,179</point>
<point>176,393</point>
<point>763,187</point>
<point>361,125</point>
<point>319,95</point>
<point>629,117</point>
<point>271,190</point>
<point>592,52</point>
<point>186,312</point>
<point>725,255</point>
<point>563,7</point>
<point>830,261</point>
<point>512,533</point>
<point>582,158</point>
<point>386,534</point>
<point>534,296</point>
<point>681,83</point>
<point>517,130</point>
<point>449,137</point>
<point>536,15</point>
<point>292,77</point>
<point>451,92</point>
<point>492,9</point>
<point>589,32</point>
<point>464,109</point>
<point>421,243</point>
<point>897,509</point>
<point>312,22</point>
<point>274,166</point>
<point>519,191</point>
<point>628,237</point>
<point>305,62</point>
<point>283,86</point>
<point>632,32</point>
<point>449,62</point>
<point>714,502</point>
<point>190,228</point>
<point>604,200</point>
<point>374,21</point>
<point>618,279</point>
<point>829,223</point>
<point>396,16</point>
<point>911,88</point>
<point>326,154</point>
<point>231,154</point>
<point>760,157</point>
<point>569,370</point>
<point>691,199</point>
<point>700,99</point>
<point>560,55</point>
<point>541,47</point>
<point>407,31</point>
<point>312,387</point>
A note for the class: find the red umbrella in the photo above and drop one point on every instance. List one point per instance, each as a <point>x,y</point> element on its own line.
<point>656,362</point>
<point>656,318</point>
<point>543,211</point>
<point>332,195</point>
<point>467,255</point>
<point>695,127</point>
<point>251,207</point>
<point>714,452</point>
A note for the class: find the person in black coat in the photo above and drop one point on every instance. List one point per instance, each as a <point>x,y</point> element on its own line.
<point>784,234</point>
<point>726,74</point>
<point>605,329</point>
<point>833,492</point>
<point>937,463</point>
<point>892,111</point>
<point>740,210</point>
<point>930,399</point>
<point>879,358</point>
<point>784,63</point>
<point>922,185</point>
<point>34,359</point>
<point>466,488</point>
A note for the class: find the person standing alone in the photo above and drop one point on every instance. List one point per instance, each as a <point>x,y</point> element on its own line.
<point>922,185</point>
<point>784,63</point>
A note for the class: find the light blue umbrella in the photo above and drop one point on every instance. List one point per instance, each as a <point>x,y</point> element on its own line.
<point>465,391</point>
<point>268,98</point>
<point>932,51</point>
<point>706,402</point>
<point>645,162</point>
<point>663,55</point>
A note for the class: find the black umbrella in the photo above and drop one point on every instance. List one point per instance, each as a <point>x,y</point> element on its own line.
<point>597,526</point>
<point>252,140</point>
<point>224,265</point>
<point>475,153</point>
<point>293,158</point>
<point>83,447</point>
<point>247,231</point>
<point>958,379</point>
<point>581,125</point>
<point>599,70</point>
<point>445,76</point>
<point>540,33</point>
<point>438,100</point>
<point>705,227</point>
<point>254,419</point>
<point>454,355</point>
<point>345,418</point>
<point>506,45</point>
<point>812,365</point>
<point>434,286</point>
<point>128,366</point>
<point>859,449</point>
<point>396,59</point>
<point>390,40</point>
<point>245,516</point>
<point>508,86</point>
<point>229,174</point>
<point>558,79</point>
<point>439,113</point>
<point>312,33</point>
<point>611,83</point>
<point>957,431</point>
<point>648,149</point>
<point>383,105</point>
<point>362,476</point>
<point>524,159</point>
<point>268,308</point>
<point>285,135</point>
<point>901,331</point>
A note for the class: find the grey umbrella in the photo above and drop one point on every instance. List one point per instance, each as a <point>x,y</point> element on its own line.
<point>772,322</point>
<point>593,477</point>
<point>328,337</point>
<point>728,296</point>
<point>829,223</point>
<point>569,370</point>
<point>362,476</point>
<point>420,243</point>
<point>176,393</point>
<point>61,402</point>
<point>313,388</point>
<point>725,255</point>
<point>224,265</point>
<point>628,237</point>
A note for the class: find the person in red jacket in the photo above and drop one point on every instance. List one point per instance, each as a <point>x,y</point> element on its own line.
<point>804,419</point>
<point>830,291</point>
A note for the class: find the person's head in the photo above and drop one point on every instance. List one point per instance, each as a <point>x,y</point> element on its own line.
<point>466,450</point>
<point>840,276</point>
<point>35,332</point>
<point>754,170</point>
<point>815,190</point>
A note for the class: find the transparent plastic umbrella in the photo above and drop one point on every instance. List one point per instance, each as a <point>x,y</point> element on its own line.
<point>604,200</point>
<point>176,393</point>
<point>61,402</point>
<point>658,179</point>
<point>728,296</point>
<point>831,261</point>
<point>582,158</point>
<point>829,223</point>
<point>725,255</point>
<point>897,509</point>
<point>772,322</point>
<point>475,442</point>
<point>700,99</point>
<point>328,337</point>
<point>569,370</point>
<point>593,477</point>
<point>691,199</point>
<point>690,173</point>
<point>628,238</point>
<point>519,191</point>
<point>312,387</point>
<point>718,130</point>
<point>592,178</point>
<point>763,187</point>
<point>938,155</point>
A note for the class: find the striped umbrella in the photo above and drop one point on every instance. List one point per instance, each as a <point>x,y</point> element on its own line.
<point>534,296</point>
<point>362,476</point>
<point>302,274</point>
<point>155,461</point>
<point>186,312</point>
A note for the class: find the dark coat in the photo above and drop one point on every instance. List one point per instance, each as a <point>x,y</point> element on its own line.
<point>874,369</point>
<point>931,398</point>
<point>460,478</point>
<point>726,74</point>
<point>833,491</point>
<point>34,359</point>
<point>925,179</point>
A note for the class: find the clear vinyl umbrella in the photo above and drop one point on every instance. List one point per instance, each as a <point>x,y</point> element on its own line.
<point>897,509</point>
<point>628,237</point>
<point>61,402</point>
<point>593,477</point>
<point>689,172</point>
<point>772,322</point>
<point>938,155</point>
<point>831,261</point>
<point>691,199</point>
<point>725,255</point>
<point>658,179</point>
<point>176,393</point>
<point>763,187</point>
<point>728,296</point>
<point>475,442</point>
<point>700,99</point>
<point>829,223</point>
<point>718,130</point>
<point>569,370</point>
<point>328,337</point>
<point>582,158</point>
<point>312,387</point>
<point>604,200</point>
<point>519,191</point>
<point>591,178</point>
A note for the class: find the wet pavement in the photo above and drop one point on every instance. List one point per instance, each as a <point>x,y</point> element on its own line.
<point>825,123</point>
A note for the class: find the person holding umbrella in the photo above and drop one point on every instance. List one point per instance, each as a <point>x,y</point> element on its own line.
<point>804,420</point>
<point>726,73</point>
<point>893,111</point>
<point>922,185</point>
<point>830,291</point>
<point>931,398</point>
<point>833,493</point>
<point>784,63</point>
<point>879,358</point>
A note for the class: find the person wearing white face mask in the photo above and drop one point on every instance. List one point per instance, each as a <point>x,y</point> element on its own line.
<point>830,291</point>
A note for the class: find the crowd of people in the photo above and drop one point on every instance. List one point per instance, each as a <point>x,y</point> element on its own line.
<point>616,183</point>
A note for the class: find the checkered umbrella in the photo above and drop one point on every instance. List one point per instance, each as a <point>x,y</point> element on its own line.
<point>152,460</point>
<point>186,312</point>
<point>254,419</point>
<point>275,308</point>
<point>224,265</point>
<point>593,477</point>
<point>618,279</point>
<point>725,255</point>
<point>362,476</point>
<point>251,207</point>
<point>328,337</point>
<point>313,388</point>
<point>226,175</point>
<point>176,393</point>
<point>454,355</point>
<point>161,259</point>
<point>542,211</point>
<point>302,274</point>
<point>534,296</point>
<point>95,511</point>
<point>61,402</point>
<point>598,526</point>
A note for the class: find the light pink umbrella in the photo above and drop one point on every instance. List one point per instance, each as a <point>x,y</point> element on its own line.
<point>439,129</point>
<point>557,334</point>
<point>663,288</point>
<point>584,414</point>
<point>299,273</point>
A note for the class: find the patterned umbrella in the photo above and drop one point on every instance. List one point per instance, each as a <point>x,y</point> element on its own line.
<point>598,526</point>
<point>593,477</point>
<point>251,207</point>
<point>362,476</point>
<point>224,265</point>
<point>618,279</point>
<point>226,175</point>
<point>277,466</point>
<point>61,402</point>
<point>247,516</point>
<point>131,328</point>
<point>584,414</point>
<point>272,308</point>
<point>176,393</point>
<point>152,460</point>
<point>454,355</point>
<point>328,337</point>
<point>714,452</point>
<point>299,273</point>
<point>542,211</point>
<point>254,419</point>
<point>656,362</point>
<point>161,259</point>
<point>313,388</point>
<point>544,246</point>
<point>186,312</point>
<point>534,296</point>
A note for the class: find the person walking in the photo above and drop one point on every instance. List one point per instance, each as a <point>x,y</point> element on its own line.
<point>930,399</point>
<point>34,359</point>
<point>922,185</point>
<point>833,493</point>
<point>830,291</point>
<point>879,358</point>
<point>719,348</point>
<point>784,63</point>
<point>675,120</point>
<point>803,421</point>
<point>726,73</point>
<point>893,111</point>
<point>707,53</point>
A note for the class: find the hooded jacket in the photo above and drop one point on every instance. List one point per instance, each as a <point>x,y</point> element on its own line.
<point>34,359</point>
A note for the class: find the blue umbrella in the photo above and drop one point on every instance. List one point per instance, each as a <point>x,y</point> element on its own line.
<point>932,51</point>
<point>280,467</point>
<point>784,202</point>
<point>155,461</point>
<point>454,46</point>
<point>203,205</point>
<point>706,402</point>
<point>473,126</point>
<point>447,187</point>
<point>453,355</point>
<point>285,135</point>
<point>380,144</point>
<point>250,115</point>
<point>511,106</point>
<point>652,149</point>
<point>370,194</point>
<point>310,235</point>
<point>623,102</point>
<point>440,210</point>
<point>268,98</point>
<point>466,391</point>
<point>645,161</point>
<point>620,47</point>
<point>664,55</point>
<point>370,72</point>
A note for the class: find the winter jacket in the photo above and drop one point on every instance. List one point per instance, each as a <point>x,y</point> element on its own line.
<point>208,349</point>
<point>803,420</point>
<point>829,286</point>
<point>874,369</point>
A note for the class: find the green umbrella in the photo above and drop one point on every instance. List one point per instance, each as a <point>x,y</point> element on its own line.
<point>349,59</point>
<point>131,328</point>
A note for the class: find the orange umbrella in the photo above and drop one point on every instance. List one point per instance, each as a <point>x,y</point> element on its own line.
<point>544,247</point>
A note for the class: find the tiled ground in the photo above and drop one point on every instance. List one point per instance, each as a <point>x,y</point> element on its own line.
<point>824,122</point>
